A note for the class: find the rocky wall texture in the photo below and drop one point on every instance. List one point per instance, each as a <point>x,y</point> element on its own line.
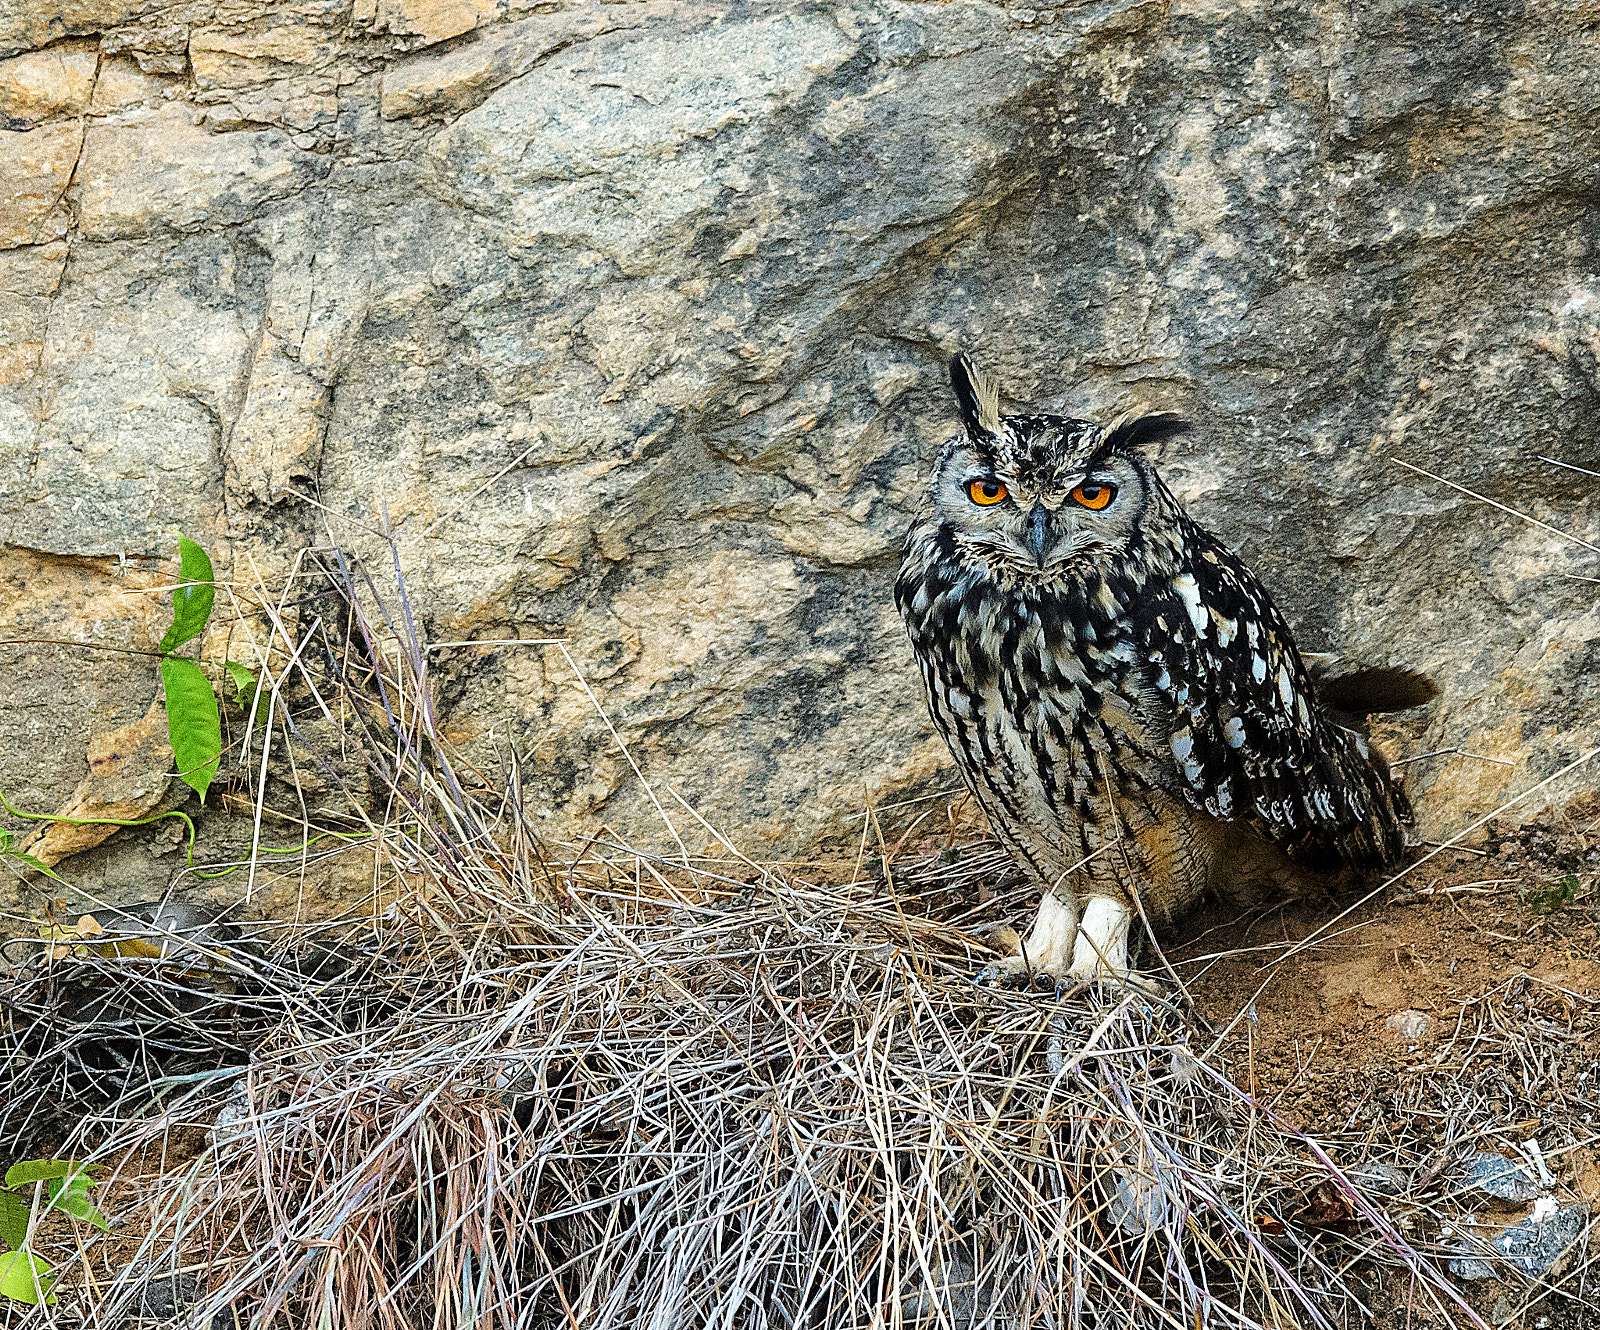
<point>634,316</point>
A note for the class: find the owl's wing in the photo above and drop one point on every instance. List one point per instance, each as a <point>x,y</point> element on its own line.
<point>1249,739</point>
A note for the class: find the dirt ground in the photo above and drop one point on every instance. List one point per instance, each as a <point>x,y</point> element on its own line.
<point>1456,1011</point>
<point>1516,915</point>
<point>1451,1012</point>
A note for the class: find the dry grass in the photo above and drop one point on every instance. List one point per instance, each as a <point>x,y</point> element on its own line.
<point>589,1086</point>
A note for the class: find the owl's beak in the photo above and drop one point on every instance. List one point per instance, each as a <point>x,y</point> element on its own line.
<point>1037,535</point>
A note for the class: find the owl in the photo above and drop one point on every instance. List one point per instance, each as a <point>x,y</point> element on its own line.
<point>1121,695</point>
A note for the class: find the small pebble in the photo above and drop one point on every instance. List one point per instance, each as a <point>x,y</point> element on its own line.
<point>1410,1027</point>
<point>1385,1179</point>
<point>1138,1205</point>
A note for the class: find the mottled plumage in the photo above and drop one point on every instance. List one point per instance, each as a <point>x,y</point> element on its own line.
<point>1120,693</point>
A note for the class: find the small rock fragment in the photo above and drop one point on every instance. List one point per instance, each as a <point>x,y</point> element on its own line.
<point>1138,1204</point>
<point>1410,1027</point>
<point>164,1294</point>
<point>1494,1181</point>
<point>1534,1247</point>
<point>1385,1179</point>
<point>233,1118</point>
<point>957,1297</point>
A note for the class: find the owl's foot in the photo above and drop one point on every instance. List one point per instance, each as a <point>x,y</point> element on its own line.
<point>1041,960</point>
<point>1014,972</point>
<point>1100,950</point>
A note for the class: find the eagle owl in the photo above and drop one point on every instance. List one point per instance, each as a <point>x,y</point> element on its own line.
<point>1121,695</point>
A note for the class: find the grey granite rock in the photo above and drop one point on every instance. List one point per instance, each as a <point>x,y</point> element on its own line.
<point>1534,1247</point>
<point>1493,1180</point>
<point>635,317</point>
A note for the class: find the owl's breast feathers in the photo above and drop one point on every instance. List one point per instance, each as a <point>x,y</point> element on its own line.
<point>1040,692</point>
<point>1248,738</point>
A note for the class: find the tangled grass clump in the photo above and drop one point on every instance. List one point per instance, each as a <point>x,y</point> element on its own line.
<point>770,1115</point>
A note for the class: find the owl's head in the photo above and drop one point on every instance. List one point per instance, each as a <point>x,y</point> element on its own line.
<point>1040,496</point>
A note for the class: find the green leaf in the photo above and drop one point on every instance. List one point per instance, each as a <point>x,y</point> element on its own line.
<point>17,1272</point>
<point>72,1196</point>
<point>191,602</point>
<point>38,865</point>
<point>243,677</point>
<point>244,683</point>
<point>13,1220</point>
<point>81,1207</point>
<point>193,724</point>
<point>40,1170</point>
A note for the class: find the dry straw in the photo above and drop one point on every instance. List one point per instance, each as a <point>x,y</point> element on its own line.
<point>538,1085</point>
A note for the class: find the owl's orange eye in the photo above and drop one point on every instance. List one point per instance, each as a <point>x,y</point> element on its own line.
<point>1095,496</point>
<point>986,492</point>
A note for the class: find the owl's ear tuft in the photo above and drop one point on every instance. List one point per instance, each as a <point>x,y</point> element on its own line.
<point>1140,427</point>
<point>977,394</point>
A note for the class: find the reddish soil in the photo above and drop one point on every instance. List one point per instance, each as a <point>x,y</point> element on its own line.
<point>1517,919</point>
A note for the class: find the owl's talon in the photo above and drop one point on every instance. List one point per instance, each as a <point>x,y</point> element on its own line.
<point>1108,987</point>
<point>1111,987</point>
<point>1039,960</point>
<point>1015,973</point>
<point>1101,952</point>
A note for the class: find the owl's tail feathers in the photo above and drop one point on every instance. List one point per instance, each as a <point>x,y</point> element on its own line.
<point>1387,831</point>
<point>1362,690</point>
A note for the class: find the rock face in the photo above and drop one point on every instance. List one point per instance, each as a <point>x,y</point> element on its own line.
<point>635,315</point>
<point>127,781</point>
